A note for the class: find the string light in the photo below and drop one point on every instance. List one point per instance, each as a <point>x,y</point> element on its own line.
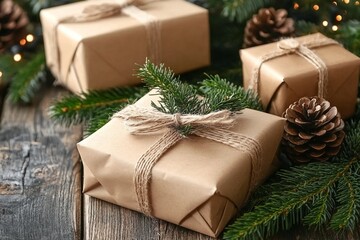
<point>17,57</point>
<point>346,1</point>
<point>30,37</point>
<point>296,6</point>
<point>335,3</point>
<point>22,42</point>
<point>357,3</point>
<point>1,74</point>
<point>334,28</point>
<point>325,23</point>
<point>316,7</point>
<point>338,18</point>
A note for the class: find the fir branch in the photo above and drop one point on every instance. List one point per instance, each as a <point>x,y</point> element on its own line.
<point>221,94</point>
<point>308,194</point>
<point>349,35</point>
<point>28,80</point>
<point>347,215</point>
<point>305,27</point>
<point>241,10</point>
<point>8,67</point>
<point>175,96</point>
<point>75,109</point>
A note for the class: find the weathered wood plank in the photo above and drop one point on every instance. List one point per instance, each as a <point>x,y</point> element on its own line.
<point>40,174</point>
<point>104,220</point>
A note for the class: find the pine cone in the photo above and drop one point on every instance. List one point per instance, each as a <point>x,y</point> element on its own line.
<point>313,130</point>
<point>267,26</point>
<point>13,22</point>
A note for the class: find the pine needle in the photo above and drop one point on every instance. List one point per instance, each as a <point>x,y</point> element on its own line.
<point>29,79</point>
<point>76,109</point>
<point>241,10</point>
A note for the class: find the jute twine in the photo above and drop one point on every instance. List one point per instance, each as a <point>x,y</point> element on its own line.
<point>290,46</point>
<point>214,126</point>
<point>95,12</point>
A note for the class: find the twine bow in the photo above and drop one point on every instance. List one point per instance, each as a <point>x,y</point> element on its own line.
<point>95,12</point>
<point>214,126</point>
<point>290,46</point>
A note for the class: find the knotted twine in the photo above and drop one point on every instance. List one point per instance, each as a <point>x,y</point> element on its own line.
<point>214,126</point>
<point>291,45</point>
<point>99,11</point>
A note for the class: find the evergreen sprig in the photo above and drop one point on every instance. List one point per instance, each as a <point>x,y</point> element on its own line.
<point>320,195</point>
<point>220,93</point>
<point>28,80</point>
<point>175,96</point>
<point>241,10</point>
<point>180,97</point>
<point>95,107</point>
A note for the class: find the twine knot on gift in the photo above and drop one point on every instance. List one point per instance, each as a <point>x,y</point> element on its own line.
<point>95,12</point>
<point>292,46</point>
<point>213,126</point>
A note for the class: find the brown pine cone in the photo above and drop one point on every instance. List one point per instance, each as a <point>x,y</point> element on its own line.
<point>13,22</point>
<point>313,130</point>
<point>268,25</point>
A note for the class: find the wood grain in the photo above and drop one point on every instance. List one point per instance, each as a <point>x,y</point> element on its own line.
<point>104,220</point>
<point>40,174</point>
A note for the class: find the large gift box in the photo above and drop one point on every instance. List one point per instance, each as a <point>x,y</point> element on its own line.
<point>86,54</point>
<point>197,183</point>
<point>283,74</point>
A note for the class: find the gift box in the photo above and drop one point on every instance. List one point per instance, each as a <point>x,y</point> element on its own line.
<point>102,53</point>
<point>197,183</point>
<point>284,74</point>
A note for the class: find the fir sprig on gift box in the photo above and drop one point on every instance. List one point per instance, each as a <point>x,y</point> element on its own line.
<point>180,97</point>
<point>95,108</point>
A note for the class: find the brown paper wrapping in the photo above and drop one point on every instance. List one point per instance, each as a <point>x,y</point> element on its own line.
<point>285,79</point>
<point>103,53</point>
<point>198,184</point>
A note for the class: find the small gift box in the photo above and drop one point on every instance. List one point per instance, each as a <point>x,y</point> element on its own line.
<point>198,182</point>
<point>95,44</point>
<point>287,70</point>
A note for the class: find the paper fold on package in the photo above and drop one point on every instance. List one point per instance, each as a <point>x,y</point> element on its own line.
<point>285,79</point>
<point>198,183</point>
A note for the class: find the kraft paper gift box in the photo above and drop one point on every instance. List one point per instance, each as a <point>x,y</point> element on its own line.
<point>286,78</point>
<point>103,53</point>
<point>198,183</point>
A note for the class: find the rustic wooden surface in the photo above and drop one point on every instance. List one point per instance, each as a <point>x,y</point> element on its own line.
<point>40,187</point>
<point>40,174</point>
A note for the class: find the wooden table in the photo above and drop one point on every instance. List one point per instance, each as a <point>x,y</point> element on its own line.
<point>41,182</point>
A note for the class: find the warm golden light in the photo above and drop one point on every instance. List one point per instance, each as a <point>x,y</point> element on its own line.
<point>1,74</point>
<point>335,3</point>
<point>346,1</point>
<point>296,6</point>
<point>334,28</point>
<point>357,3</point>
<point>338,18</point>
<point>30,37</point>
<point>17,57</point>
<point>325,23</point>
<point>22,42</point>
<point>316,7</point>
